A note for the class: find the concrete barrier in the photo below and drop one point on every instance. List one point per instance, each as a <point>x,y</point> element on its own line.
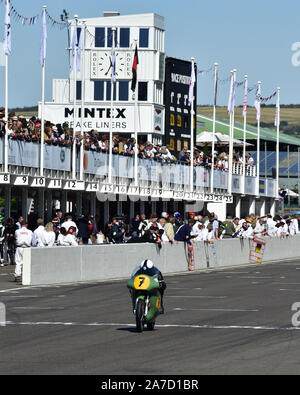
<point>59,265</point>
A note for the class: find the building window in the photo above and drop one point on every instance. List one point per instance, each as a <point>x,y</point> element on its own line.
<point>172,119</point>
<point>99,90</point>
<point>99,37</point>
<point>143,91</point>
<point>123,90</point>
<point>78,90</point>
<point>144,38</point>
<point>110,37</point>
<point>108,91</point>
<point>124,37</point>
<point>78,34</point>
<point>179,120</point>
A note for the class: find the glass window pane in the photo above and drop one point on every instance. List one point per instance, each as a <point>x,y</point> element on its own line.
<point>124,37</point>
<point>78,90</point>
<point>110,37</point>
<point>144,38</point>
<point>99,37</point>
<point>143,91</point>
<point>108,91</point>
<point>123,90</point>
<point>98,90</point>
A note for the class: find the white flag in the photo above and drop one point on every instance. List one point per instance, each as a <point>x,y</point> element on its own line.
<point>231,101</point>
<point>44,40</point>
<point>192,86</point>
<point>245,98</point>
<point>74,44</point>
<point>79,51</point>
<point>257,103</point>
<point>277,114</point>
<point>7,30</point>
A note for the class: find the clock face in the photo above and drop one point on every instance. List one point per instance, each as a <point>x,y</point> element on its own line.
<point>101,65</point>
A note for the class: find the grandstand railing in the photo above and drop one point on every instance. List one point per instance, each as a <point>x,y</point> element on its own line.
<point>155,178</point>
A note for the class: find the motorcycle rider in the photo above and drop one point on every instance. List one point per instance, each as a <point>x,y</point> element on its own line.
<point>148,267</point>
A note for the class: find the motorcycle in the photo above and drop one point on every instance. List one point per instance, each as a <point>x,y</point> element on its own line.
<point>144,287</point>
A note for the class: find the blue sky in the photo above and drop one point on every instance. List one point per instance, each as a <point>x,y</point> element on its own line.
<point>253,36</point>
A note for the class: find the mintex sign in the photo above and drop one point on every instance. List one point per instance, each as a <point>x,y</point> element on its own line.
<point>102,118</point>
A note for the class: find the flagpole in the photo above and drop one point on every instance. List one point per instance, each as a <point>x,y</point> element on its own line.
<point>230,168</point>
<point>245,136</point>
<point>136,131</point>
<point>43,107</point>
<point>6,117</point>
<point>192,135</point>
<point>74,105</point>
<point>214,130</point>
<point>83,32</point>
<point>258,146</point>
<point>278,141</point>
<point>110,164</point>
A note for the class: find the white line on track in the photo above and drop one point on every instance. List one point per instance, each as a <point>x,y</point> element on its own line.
<point>36,308</point>
<point>225,310</point>
<point>291,290</point>
<point>197,296</point>
<point>286,283</point>
<point>208,326</point>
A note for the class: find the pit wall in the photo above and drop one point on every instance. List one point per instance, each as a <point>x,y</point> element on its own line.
<point>59,265</point>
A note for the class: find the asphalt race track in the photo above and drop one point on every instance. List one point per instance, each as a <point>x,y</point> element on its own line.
<point>233,321</point>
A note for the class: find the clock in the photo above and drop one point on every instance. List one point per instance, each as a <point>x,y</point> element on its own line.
<point>101,64</point>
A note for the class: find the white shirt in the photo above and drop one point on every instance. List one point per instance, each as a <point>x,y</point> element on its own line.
<point>23,237</point>
<point>295,224</point>
<point>271,227</point>
<point>68,224</point>
<point>37,235</point>
<point>46,239</point>
<point>164,237</point>
<point>196,230</point>
<point>67,240</point>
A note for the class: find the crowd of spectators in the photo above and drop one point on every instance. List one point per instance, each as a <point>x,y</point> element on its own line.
<point>166,228</point>
<point>29,130</point>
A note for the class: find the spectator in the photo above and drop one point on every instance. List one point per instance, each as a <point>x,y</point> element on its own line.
<point>38,233</point>
<point>2,239</point>
<point>47,237</point>
<point>23,240</point>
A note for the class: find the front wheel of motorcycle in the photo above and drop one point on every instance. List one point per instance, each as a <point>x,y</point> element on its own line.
<point>140,315</point>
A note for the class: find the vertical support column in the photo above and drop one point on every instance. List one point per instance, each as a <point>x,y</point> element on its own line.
<point>93,203</point>
<point>49,204</point>
<point>25,203</point>
<point>119,207</point>
<point>142,207</point>
<point>106,211</point>
<point>63,203</point>
<point>263,208</point>
<point>7,201</point>
<point>273,208</point>
<point>153,207</point>
<point>41,203</point>
<point>238,205</point>
<point>78,203</point>
<point>131,210</point>
<point>251,205</point>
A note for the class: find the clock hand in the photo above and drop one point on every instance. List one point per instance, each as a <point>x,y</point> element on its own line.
<point>111,65</point>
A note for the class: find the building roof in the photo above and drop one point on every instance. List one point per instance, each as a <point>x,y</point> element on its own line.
<point>222,126</point>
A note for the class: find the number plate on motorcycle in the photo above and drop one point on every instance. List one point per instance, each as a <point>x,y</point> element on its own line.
<point>141,282</point>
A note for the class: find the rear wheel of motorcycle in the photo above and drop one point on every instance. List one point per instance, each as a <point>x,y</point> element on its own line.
<point>151,326</point>
<point>140,315</point>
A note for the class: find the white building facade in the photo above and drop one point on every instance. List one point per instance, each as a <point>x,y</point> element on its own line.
<point>147,33</point>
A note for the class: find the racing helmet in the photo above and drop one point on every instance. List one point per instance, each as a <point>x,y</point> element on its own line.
<point>147,264</point>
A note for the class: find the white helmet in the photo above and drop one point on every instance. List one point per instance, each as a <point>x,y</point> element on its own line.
<point>147,264</point>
